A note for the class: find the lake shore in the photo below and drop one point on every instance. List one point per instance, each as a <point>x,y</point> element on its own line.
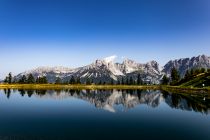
<point>81,86</point>
<point>92,87</point>
<point>178,89</point>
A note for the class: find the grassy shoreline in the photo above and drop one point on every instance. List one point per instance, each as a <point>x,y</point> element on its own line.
<point>178,89</point>
<point>92,87</point>
<point>60,86</point>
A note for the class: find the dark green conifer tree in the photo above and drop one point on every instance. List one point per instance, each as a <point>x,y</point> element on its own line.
<point>99,83</point>
<point>78,80</point>
<point>122,81</point>
<point>127,81</point>
<point>165,80</point>
<point>118,82</point>
<point>111,82</point>
<point>175,77</point>
<point>88,82</point>
<point>131,82</point>
<point>72,80</point>
<point>10,78</point>
<point>187,75</point>
<point>30,79</point>
<point>203,70</point>
<point>23,79</point>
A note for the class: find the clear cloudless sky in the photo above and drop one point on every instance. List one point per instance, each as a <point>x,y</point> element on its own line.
<point>74,33</point>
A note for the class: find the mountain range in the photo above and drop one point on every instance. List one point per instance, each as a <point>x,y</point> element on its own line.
<point>105,70</point>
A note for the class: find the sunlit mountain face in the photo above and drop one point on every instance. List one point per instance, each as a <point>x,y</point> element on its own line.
<point>107,70</point>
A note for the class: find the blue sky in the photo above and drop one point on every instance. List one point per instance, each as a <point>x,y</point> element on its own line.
<point>76,32</point>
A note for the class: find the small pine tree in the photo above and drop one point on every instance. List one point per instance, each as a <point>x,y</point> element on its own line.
<point>10,78</point>
<point>165,80</point>
<point>6,79</point>
<point>99,83</point>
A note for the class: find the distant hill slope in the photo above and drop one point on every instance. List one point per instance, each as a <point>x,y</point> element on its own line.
<point>199,80</point>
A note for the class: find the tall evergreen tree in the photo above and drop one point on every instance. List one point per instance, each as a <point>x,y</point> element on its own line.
<point>30,79</point>
<point>78,80</point>
<point>41,80</point>
<point>23,80</point>
<point>88,82</point>
<point>92,81</point>
<point>127,81</point>
<point>192,72</point>
<point>99,83</point>
<point>112,81</point>
<point>175,77</point>
<point>10,78</point>
<point>118,82</point>
<point>187,75</point>
<point>72,80</point>
<point>139,80</point>
<point>122,81</point>
<point>131,81</point>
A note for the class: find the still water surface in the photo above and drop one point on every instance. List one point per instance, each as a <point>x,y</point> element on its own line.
<point>103,114</point>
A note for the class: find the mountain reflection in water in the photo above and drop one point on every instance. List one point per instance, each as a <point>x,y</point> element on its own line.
<point>108,99</point>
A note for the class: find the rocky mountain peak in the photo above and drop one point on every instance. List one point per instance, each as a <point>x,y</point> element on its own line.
<point>184,64</point>
<point>105,70</point>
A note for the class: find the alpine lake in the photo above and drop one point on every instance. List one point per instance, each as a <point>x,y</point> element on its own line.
<point>103,114</point>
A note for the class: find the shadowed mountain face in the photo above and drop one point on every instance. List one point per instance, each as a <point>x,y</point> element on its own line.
<point>127,99</point>
<point>106,69</point>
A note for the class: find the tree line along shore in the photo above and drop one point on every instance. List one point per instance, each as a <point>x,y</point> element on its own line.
<point>193,79</point>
